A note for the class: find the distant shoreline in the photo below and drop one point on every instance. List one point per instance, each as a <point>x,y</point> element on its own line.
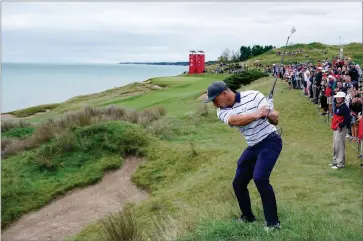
<point>158,63</point>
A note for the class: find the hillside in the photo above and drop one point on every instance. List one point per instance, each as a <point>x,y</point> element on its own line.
<point>352,50</point>
<point>190,159</point>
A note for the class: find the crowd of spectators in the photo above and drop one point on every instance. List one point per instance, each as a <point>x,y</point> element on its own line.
<point>322,81</point>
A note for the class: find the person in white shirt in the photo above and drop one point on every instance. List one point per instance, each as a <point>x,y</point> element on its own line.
<point>307,79</point>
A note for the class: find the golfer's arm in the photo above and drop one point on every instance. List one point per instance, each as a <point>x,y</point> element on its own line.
<point>242,119</point>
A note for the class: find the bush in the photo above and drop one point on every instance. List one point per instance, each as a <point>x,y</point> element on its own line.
<point>235,81</point>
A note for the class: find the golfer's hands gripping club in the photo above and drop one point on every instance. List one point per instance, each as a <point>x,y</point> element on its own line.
<point>262,112</point>
<point>270,106</point>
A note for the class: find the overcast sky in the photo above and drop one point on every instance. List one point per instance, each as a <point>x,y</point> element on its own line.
<point>114,32</point>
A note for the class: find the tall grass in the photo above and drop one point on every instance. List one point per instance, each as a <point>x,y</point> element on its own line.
<point>121,226</point>
<point>7,125</point>
<point>73,159</point>
<point>88,116</point>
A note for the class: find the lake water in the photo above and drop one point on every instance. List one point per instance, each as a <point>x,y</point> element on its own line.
<point>25,85</point>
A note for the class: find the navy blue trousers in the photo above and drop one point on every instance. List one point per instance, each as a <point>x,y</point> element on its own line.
<point>257,162</point>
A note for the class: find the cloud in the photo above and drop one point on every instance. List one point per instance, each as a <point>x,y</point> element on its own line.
<point>165,31</point>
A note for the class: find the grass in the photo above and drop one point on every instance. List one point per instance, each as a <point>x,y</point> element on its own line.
<point>33,110</point>
<point>73,159</point>
<point>8,125</point>
<point>191,165</point>
<point>352,50</point>
<point>88,116</point>
<point>22,132</point>
<point>192,198</point>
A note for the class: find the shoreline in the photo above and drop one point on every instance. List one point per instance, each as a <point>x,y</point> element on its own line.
<point>56,83</point>
<point>10,114</point>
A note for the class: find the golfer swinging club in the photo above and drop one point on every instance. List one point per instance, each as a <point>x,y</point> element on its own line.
<point>248,112</point>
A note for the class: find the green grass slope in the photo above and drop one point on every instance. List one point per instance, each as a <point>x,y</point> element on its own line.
<point>352,50</point>
<point>73,159</point>
<point>190,170</point>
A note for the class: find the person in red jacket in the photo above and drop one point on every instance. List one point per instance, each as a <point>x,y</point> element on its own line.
<point>340,125</point>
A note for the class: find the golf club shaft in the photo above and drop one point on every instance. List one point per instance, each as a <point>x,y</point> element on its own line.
<point>282,60</point>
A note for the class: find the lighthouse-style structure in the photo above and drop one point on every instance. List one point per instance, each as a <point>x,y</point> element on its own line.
<point>196,62</point>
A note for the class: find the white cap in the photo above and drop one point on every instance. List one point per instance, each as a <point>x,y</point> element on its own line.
<point>340,95</point>
<point>330,76</point>
<point>320,68</point>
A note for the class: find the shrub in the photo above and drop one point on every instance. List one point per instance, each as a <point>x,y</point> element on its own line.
<point>235,81</point>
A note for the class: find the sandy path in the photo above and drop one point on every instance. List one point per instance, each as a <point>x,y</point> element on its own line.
<point>68,215</point>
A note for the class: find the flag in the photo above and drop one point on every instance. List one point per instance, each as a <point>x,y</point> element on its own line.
<point>293,30</point>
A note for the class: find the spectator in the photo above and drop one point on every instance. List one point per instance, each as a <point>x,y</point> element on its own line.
<point>337,85</point>
<point>356,109</point>
<point>353,73</point>
<point>307,83</point>
<point>340,125</point>
<point>318,79</point>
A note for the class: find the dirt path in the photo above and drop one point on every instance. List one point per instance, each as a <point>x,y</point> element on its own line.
<point>68,215</point>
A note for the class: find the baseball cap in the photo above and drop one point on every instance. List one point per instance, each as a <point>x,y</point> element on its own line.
<point>215,89</point>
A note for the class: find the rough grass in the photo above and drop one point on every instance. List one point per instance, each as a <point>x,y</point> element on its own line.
<point>22,132</point>
<point>120,226</point>
<point>73,159</point>
<point>7,125</point>
<point>33,110</point>
<point>192,196</point>
<point>352,50</point>
<point>46,131</point>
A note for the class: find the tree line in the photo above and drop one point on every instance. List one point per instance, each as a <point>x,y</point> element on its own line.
<point>244,53</point>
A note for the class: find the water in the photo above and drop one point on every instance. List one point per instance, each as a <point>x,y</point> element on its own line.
<point>25,85</point>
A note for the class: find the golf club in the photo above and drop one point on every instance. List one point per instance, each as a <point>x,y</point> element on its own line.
<point>270,97</point>
<point>270,100</point>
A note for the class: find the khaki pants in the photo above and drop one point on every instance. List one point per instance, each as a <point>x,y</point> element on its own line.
<point>339,147</point>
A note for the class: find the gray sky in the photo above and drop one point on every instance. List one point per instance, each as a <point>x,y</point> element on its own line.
<point>114,32</point>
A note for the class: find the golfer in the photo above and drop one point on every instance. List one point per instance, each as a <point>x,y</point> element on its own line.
<point>248,112</point>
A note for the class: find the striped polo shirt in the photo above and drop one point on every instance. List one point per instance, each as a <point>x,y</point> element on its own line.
<point>247,102</point>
